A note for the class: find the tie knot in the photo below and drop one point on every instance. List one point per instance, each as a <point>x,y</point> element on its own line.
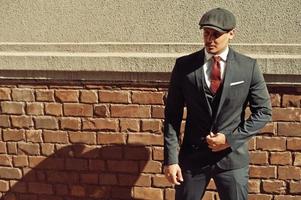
<point>216,58</point>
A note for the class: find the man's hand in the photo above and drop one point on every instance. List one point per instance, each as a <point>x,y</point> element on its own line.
<point>217,142</point>
<point>173,174</point>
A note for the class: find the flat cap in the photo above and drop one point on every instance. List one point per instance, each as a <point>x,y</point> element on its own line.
<point>218,19</point>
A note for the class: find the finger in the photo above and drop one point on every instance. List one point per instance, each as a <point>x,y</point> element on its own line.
<point>180,176</point>
<point>212,134</point>
<point>174,179</point>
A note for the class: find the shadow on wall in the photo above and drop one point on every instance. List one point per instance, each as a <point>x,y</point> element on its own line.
<point>80,172</point>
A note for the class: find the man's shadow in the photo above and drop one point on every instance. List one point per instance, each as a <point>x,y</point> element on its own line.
<point>82,172</point>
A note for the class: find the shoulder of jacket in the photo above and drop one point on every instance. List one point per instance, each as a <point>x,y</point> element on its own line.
<point>190,57</point>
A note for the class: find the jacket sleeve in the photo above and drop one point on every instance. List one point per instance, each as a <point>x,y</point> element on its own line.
<point>173,117</point>
<point>261,111</point>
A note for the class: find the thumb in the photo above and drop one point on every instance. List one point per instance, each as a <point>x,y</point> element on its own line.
<point>179,175</point>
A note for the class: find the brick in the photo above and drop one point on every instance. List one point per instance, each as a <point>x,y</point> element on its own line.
<point>4,186</point>
<point>114,96</point>
<point>13,135</point>
<point>291,100</point>
<point>77,190</point>
<point>170,194</point>
<point>83,137</point>
<point>10,173</point>
<point>98,192</point>
<point>34,136</point>
<point>211,185</point>
<point>111,138</point>
<point>121,193</point>
<point>88,96</point>
<point>108,179</point>
<point>274,186</point>
<point>2,147</point>
<point>123,166</point>
<point>295,187</point>
<point>294,144</point>
<point>35,108</point>
<point>96,165</point>
<point>61,189</point>
<point>262,172</point>
<point>269,128</point>
<point>5,160</point>
<point>28,149</point>
<point>21,121</point>
<point>12,148</point>
<point>154,126</point>
<point>254,186</point>
<point>275,100</point>
<point>40,188</point>
<point>55,109</point>
<point>145,139</point>
<point>158,153</point>
<point>130,111</point>
<point>297,159</point>
<point>64,177</point>
<point>68,123</point>
<point>134,180</point>
<point>23,94</point>
<point>5,94</point>
<point>158,112</point>
<point>90,178</point>
<point>101,124</point>
<point>271,143</point>
<point>147,193</point>
<point>67,95</point>
<point>47,149</point>
<point>4,121</point>
<point>55,137</point>
<point>281,158</point>
<point>160,181</point>
<point>41,162</point>
<point>151,166</point>
<point>259,157</point>
<point>78,110</point>
<point>111,153</point>
<point>289,129</point>
<point>77,164</point>
<point>129,125</point>
<point>101,111</point>
<point>137,153</point>
<point>289,172</point>
<point>46,122</point>
<point>252,144</point>
<point>287,197</point>
<point>20,161</point>
<point>209,195</point>
<point>45,95</point>
<point>286,114</point>
<point>148,98</point>
<point>18,186</point>
<point>12,108</point>
<point>260,197</point>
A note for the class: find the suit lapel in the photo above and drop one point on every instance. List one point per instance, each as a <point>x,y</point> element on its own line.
<point>229,73</point>
<point>199,78</point>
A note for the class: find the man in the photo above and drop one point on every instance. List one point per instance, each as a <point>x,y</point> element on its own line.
<point>216,84</point>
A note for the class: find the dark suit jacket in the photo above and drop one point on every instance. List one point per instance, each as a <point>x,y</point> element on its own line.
<point>243,84</point>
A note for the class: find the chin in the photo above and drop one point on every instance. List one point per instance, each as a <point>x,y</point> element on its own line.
<point>211,50</point>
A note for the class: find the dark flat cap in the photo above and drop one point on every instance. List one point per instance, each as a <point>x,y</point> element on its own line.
<point>219,19</point>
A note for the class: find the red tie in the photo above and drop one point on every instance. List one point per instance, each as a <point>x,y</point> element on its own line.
<point>215,78</point>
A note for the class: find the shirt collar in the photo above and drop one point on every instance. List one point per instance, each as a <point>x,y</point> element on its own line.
<point>223,54</point>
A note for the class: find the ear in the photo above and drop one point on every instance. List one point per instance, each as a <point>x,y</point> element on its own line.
<point>231,34</point>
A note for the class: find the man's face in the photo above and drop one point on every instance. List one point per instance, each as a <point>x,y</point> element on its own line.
<point>215,42</point>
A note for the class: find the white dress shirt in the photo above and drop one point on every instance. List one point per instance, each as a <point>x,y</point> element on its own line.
<point>208,63</point>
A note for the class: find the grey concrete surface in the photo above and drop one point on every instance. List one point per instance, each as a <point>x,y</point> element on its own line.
<point>263,21</point>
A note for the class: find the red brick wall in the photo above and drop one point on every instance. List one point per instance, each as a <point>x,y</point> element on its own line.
<point>88,140</point>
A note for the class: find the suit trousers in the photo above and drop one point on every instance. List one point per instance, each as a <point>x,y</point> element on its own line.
<point>231,184</point>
